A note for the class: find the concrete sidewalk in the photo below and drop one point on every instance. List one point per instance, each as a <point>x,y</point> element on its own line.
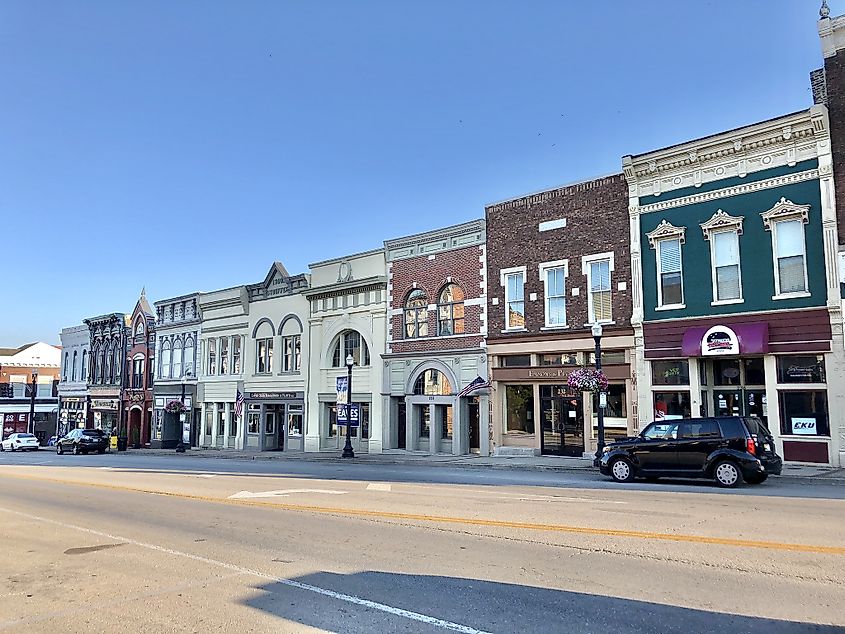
<point>528,463</point>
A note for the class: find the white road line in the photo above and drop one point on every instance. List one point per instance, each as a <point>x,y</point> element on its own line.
<point>378,486</point>
<point>349,598</point>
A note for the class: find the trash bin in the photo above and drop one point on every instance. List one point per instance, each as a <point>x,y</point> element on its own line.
<point>122,441</point>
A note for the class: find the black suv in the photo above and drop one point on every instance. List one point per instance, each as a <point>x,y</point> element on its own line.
<point>83,441</point>
<point>729,450</point>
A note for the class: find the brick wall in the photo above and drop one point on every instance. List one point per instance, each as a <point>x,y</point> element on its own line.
<point>431,275</point>
<point>834,68</point>
<point>596,215</point>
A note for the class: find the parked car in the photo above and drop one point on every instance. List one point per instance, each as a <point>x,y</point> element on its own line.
<point>20,442</point>
<point>83,441</point>
<point>729,450</point>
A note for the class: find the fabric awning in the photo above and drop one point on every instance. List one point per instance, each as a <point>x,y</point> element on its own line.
<point>753,338</point>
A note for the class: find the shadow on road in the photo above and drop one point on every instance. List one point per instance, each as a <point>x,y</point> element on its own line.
<point>487,606</point>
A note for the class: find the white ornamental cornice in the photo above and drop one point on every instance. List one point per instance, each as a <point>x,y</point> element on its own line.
<point>722,221</point>
<point>785,210</point>
<point>666,230</point>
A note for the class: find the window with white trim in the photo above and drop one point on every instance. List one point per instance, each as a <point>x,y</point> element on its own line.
<point>177,359</point>
<point>724,256</point>
<point>670,275</point>
<point>165,360</point>
<point>553,276</point>
<point>514,282</point>
<point>790,257</point>
<point>598,268</point>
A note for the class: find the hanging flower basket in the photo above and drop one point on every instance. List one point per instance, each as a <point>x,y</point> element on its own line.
<point>175,407</point>
<point>587,380</point>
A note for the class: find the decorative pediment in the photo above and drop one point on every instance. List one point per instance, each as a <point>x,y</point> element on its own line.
<point>785,210</point>
<point>664,231</point>
<point>721,221</point>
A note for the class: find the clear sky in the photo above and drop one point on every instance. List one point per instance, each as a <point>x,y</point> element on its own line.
<point>187,145</point>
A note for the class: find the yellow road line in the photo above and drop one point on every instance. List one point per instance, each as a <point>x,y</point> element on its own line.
<point>467,521</point>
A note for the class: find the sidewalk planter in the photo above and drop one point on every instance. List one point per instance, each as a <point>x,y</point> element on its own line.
<point>121,443</point>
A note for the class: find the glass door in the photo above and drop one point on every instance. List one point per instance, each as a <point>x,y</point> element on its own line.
<point>727,402</point>
<point>551,419</point>
<point>573,427</point>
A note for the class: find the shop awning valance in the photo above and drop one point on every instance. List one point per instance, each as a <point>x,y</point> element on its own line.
<point>752,338</point>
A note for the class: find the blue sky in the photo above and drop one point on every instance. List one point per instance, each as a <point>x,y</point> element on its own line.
<point>186,145</point>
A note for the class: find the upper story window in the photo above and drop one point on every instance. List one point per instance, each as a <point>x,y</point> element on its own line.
<point>236,354</point>
<point>84,373</point>
<point>64,367</point>
<point>416,315</point>
<point>165,359</point>
<point>514,282</point>
<point>723,231</point>
<point>112,360</point>
<point>138,371</point>
<point>224,355</point>
<point>786,221</point>
<point>450,311</point>
<point>598,268</point>
<point>177,359</point>
<point>73,367</point>
<point>350,342</point>
<point>432,383</point>
<point>292,346</point>
<point>553,275</point>
<point>188,355</point>
<point>211,362</point>
<point>667,240</point>
<point>118,362</point>
<point>139,328</point>
<point>264,355</point>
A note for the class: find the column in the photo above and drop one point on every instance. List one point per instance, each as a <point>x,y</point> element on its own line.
<point>694,387</point>
<point>227,416</point>
<point>434,429</point>
<point>313,384</point>
<point>411,427</point>
<point>460,429</point>
<point>538,423</point>
<point>213,407</point>
<point>772,408</point>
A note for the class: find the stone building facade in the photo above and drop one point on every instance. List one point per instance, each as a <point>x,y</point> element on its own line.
<point>74,405</point>
<point>435,343</point>
<point>107,360</point>
<point>557,263</point>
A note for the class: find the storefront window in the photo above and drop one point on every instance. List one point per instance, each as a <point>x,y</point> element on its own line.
<point>515,361</point>
<point>221,419</point>
<point>671,405</point>
<point>332,409</point>
<point>755,372</point>
<point>616,403</point>
<point>804,413</point>
<point>608,357</point>
<point>670,372</point>
<point>294,420</point>
<point>726,372</point>
<point>702,372</point>
<point>209,419</point>
<point>569,358</point>
<point>801,369</point>
<point>519,409</point>
<point>365,420</point>
<point>253,422</point>
<point>444,413</point>
<point>425,421</point>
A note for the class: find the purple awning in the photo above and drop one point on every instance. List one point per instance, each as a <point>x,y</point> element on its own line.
<point>753,338</point>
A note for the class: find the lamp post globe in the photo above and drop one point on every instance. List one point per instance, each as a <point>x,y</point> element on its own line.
<point>348,452</point>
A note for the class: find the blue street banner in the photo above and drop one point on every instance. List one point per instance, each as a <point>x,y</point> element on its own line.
<point>342,415</point>
<point>342,390</point>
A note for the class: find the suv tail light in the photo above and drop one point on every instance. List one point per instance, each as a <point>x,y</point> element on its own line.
<point>750,446</point>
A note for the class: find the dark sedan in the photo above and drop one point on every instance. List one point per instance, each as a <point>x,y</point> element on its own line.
<point>83,441</point>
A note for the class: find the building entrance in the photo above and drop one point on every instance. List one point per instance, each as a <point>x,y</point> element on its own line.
<point>562,418</point>
<point>734,387</point>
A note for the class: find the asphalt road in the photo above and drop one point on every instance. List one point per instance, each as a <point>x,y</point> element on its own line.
<point>134,543</point>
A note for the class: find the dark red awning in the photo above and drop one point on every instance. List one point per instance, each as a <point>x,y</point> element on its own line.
<point>753,338</point>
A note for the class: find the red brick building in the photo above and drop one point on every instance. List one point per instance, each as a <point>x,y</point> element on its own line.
<point>435,346</point>
<point>137,394</point>
<point>559,262</point>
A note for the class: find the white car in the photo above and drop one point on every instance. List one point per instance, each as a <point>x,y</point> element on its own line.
<point>20,441</point>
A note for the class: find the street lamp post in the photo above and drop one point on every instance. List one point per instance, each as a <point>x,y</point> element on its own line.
<point>348,452</point>
<point>180,446</point>
<point>30,428</point>
<point>597,331</point>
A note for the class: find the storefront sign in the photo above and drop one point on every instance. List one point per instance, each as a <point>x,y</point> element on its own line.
<point>276,396</point>
<point>804,426</point>
<point>548,374</point>
<point>104,404</point>
<point>719,340</point>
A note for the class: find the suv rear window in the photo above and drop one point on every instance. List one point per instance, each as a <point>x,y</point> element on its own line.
<point>93,432</point>
<point>732,427</point>
<point>758,427</point>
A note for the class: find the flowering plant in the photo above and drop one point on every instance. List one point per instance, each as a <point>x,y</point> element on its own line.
<point>587,380</point>
<point>175,407</point>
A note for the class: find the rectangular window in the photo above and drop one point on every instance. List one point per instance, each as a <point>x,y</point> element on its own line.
<point>519,409</point>
<point>801,369</point>
<point>600,295</point>
<point>444,413</point>
<point>365,420</point>
<point>211,367</point>
<point>670,372</point>
<point>236,354</point>
<point>608,357</point>
<point>233,424</point>
<point>669,273</point>
<point>568,358</point>
<point>791,274</point>
<point>264,355</point>
<point>804,413</point>
<point>224,355</point>
<point>209,421</point>
<point>292,347</point>
<point>617,403</point>
<point>514,300</point>
<point>221,419</point>
<point>671,405</point>
<point>253,422</point>
<point>726,272</point>
<point>515,361</point>
<point>332,412</point>
<point>295,422</point>
<point>555,286</point>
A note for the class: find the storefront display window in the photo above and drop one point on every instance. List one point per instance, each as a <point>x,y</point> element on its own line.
<point>569,358</point>
<point>616,403</point>
<point>670,372</point>
<point>726,372</point>
<point>519,409</point>
<point>755,372</point>
<point>671,405</point>
<point>801,369</point>
<point>804,413</point>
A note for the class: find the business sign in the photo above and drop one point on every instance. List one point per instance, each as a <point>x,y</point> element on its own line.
<point>804,426</point>
<point>342,390</point>
<point>719,340</point>
<point>276,396</point>
<point>342,414</point>
<point>104,404</point>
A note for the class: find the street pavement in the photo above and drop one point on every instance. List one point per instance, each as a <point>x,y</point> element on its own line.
<point>142,543</point>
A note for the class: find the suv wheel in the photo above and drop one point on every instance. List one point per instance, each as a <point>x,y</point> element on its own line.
<point>622,470</point>
<point>727,474</point>
<point>59,449</point>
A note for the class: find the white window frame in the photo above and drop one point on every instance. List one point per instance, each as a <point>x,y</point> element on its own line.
<point>716,301</point>
<point>775,225</point>
<point>586,270</point>
<point>660,304</point>
<point>503,278</point>
<point>544,268</point>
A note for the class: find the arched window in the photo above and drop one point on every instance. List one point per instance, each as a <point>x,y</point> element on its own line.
<point>177,359</point>
<point>432,383</point>
<point>73,368</point>
<point>139,327</point>
<point>101,365</point>
<point>108,373</point>
<point>64,369</point>
<point>165,359</point>
<point>416,315</point>
<point>350,342</point>
<point>84,373</point>
<point>189,355</point>
<point>117,363</point>
<point>450,310</point>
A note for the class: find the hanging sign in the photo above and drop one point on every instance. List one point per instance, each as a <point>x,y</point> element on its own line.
<point>342,414</point>
<point>719,340</point>
<point>342,390</point>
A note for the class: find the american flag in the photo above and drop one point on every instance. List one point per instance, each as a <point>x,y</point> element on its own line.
<point>239,403</point>
<point>477,384</point>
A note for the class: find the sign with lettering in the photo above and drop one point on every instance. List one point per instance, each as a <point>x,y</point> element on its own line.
<point>342,390</point>
<point>557,373</point>
<point>104,404</point>
<point>342,415</point>
<point>275,396</point>
<point>804,426</point>
<point>719,340</point>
